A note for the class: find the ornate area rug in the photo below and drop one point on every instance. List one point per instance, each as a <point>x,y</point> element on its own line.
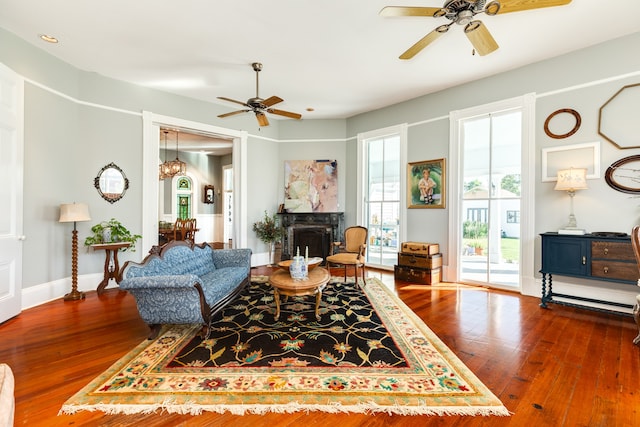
<point>368,353</point>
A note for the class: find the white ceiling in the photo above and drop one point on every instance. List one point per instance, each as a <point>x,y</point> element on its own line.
<point>338,57</point>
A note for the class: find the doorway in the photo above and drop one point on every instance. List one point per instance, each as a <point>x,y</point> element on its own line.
<point>151,146</point>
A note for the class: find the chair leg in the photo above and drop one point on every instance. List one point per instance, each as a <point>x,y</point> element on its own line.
<point>636,316</point>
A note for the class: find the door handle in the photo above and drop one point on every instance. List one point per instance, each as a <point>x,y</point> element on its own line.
<point>584,260</point>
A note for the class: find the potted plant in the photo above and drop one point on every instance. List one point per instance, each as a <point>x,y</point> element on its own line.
<point>477,245</point>
<point>268,232</point>
<point>110,232</point>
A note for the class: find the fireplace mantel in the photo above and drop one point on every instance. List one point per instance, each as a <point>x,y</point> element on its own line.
<point>334,221</point>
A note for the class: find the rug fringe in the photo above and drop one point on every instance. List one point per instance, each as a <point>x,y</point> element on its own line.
<point>364,408</point>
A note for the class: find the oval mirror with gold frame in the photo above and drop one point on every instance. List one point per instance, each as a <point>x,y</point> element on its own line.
<point>111,183</point>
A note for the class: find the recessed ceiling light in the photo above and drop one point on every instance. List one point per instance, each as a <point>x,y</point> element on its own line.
<point>310,109</point>
<point>48,38</point>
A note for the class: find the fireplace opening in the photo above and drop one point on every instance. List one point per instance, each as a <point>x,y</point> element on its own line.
<point>317,239</point>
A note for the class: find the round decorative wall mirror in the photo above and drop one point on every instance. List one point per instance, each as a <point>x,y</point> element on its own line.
<point>571,131</point>
<point>111,183</point>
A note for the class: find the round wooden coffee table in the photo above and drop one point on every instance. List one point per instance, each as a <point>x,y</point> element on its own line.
<point>283,284</point>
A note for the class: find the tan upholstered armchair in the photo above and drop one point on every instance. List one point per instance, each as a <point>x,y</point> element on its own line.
<point>635,241</point>
<point>355,248</point>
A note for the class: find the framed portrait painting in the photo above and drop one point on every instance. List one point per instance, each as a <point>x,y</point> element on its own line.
<point>426,187</point>
<point>207,196</point>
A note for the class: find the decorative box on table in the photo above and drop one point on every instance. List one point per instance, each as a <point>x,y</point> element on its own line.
<point>419,262</point>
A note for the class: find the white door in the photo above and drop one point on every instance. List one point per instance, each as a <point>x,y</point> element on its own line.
<point>227,205</point>
<point>11,155</point>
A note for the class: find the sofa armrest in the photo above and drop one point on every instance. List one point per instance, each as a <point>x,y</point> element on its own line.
<point>156,282</point>
<point>232,258</point>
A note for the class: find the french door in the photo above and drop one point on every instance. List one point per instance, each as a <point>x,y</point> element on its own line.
<point>491,178</point>
<point>381,191</point>
<point>491,212</point>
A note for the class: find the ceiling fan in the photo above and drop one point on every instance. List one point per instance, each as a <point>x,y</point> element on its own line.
<point>258,105</point>
<point>462,12</point>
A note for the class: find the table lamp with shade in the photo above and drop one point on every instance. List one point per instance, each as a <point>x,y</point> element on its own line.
<point>570,180</point>
<point>74,212</point>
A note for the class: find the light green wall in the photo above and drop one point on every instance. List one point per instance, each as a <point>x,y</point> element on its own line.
<point>67,142</point>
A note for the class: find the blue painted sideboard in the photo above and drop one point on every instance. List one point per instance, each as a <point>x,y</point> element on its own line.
<point>588,256</point>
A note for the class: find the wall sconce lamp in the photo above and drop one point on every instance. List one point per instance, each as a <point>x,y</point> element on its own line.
<point>74,212</point>
<point>570,180</point>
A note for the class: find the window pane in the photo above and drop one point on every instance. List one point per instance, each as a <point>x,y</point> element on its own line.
<point>376,162</point>
<point>383,202</point>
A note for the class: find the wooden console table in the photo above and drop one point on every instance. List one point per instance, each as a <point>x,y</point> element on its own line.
<point>588,256</point>
<point>111,267</point>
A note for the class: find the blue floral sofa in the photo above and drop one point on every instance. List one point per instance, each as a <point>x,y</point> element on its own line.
<point>185,283</point>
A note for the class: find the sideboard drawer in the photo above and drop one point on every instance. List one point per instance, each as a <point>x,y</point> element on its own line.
<point>612,250</point>
<point>614,270</point>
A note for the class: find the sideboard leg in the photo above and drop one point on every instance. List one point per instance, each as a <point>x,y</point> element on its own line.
<point>545,295</point>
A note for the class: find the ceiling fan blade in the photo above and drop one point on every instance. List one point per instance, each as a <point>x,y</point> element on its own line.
<point>507,6</point>
<point>233,113</point>
<point>273,100</point>
<point>424,42</point>
<point>262,118</point>
<point>285,113</point>
<point>232,100</point>
<point>409,11</point>
<point>480,38</point>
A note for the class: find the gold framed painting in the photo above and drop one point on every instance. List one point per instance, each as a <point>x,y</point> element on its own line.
<point>426,184</point>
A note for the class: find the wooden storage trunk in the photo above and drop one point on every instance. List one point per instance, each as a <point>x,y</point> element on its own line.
<point>420,261</point>
<point>425,276</point>
<point>420,248</point>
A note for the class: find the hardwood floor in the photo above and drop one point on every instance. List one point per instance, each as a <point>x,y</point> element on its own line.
<point>555,367</point>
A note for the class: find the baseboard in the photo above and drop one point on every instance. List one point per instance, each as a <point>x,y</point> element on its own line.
<point>45,292</point>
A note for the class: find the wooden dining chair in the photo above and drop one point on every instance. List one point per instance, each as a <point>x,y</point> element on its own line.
<point>184,229</point>
<point>355,248</point>
<point>635,242</point>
